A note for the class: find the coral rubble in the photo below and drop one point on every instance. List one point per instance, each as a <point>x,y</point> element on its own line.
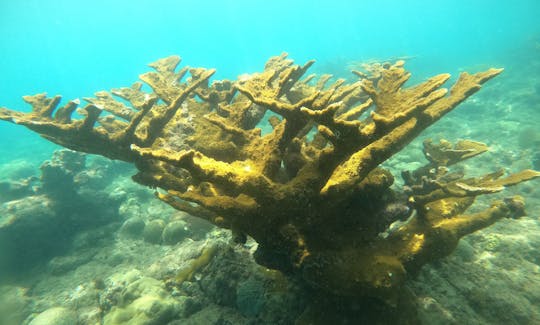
<point>310,191</point>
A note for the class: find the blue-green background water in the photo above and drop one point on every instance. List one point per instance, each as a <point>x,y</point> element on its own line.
<point>75,48</point>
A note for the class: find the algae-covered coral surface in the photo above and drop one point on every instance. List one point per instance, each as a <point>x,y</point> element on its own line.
<point>293,160</point>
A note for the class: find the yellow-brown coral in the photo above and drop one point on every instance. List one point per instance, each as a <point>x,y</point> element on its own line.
<point>310,191</point>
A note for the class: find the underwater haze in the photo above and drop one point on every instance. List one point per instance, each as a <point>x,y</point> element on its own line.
<point>76,48</point>
<point>81,243</point>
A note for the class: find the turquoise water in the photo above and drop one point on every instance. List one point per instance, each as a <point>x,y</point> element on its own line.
<point>75,48</point>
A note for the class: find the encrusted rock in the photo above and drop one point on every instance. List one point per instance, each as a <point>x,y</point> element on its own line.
<point>145,301</point>
<point>55,316</point>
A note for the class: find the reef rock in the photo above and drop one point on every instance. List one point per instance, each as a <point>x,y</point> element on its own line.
<point>55,316</point>
<point>145,301</point>
<point>42,221</point>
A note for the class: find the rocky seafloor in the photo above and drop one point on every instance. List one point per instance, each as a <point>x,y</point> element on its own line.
<point>80,243</point>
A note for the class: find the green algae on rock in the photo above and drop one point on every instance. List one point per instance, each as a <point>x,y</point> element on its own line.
<point>145,301</point>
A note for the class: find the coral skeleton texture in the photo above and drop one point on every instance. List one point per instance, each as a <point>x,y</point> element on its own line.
<point>310,190</point>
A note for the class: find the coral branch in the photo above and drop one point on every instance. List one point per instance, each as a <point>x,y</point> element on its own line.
<point>310,190</point>
<point>405,126</point>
